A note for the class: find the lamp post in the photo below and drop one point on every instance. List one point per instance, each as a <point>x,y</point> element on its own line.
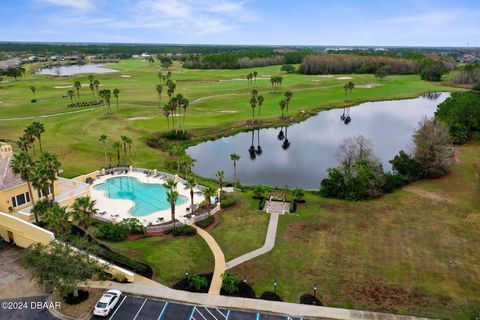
<point>315,290</point>
<point>186,274</point>
<point>275,284</point>
<point>245,279</point>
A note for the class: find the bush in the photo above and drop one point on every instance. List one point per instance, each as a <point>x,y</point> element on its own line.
<point>407,166</point>
<point>205,223</point>
<point>230,283</point>
<point>258,192</point>
<point>33,100</point>
<point>112,232</point>
<point>393,181</point>
<point>288,68</point>
<point>271,296</point>
<point>227,201</point>
<point>298,194</point>
<point>308,298</point>
<point>184,230</point>
<point>293,206</point>
<point>197,283</point>
<point>121,261</point>
<point>476,87</point>
<point>177,135</point>
<point>261,204</point>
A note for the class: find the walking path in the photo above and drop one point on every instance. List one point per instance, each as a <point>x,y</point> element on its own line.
<point>216,283</point>
<point>204,299</point>
<point>50,115</point>
<point>269,243</point>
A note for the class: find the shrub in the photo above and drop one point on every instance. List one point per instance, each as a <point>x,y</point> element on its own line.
<point>120,260</point>
<point>298,194</point>
<point>293,206</point>
<point>261,204</point>
<point>33,100</point>
<point>112,232</point>
<point>230,283</point>
<point>134,226</point>
<point>308,298</point>
<point>407,166</point>
<point>184,230</point>
<point>205,223</point>
<point>197,282</point>
<point>476,87</point>
<point>227,201</point>
<point>393,181</point>
<point>72,300</point>
<point>177,135</point>
<point>271,296</point>
<point>288,68</point>
<point>258,192</point>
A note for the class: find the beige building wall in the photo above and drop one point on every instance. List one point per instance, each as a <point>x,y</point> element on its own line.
<point>22,233</point>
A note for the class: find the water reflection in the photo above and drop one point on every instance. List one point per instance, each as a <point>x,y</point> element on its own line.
<point>299,155</point>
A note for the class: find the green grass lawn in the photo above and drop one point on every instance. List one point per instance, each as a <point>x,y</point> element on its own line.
<point>170,257</point>
<point>250,227</point>
<point>224,105</point>
<point>401,253</point>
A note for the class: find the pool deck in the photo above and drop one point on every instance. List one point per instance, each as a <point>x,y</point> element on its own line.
<point>117,210</point>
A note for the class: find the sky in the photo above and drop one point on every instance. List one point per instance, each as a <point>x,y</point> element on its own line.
<point>246,22</point>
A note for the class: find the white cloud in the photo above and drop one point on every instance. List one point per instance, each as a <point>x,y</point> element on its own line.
<point>77,4</point>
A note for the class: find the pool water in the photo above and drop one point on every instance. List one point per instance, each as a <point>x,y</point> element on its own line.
<point>148,197</point>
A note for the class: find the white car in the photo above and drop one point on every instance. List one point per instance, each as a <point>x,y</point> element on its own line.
<point>107,302</point>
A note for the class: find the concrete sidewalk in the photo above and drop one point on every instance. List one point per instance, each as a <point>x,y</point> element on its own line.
<point>268,245</point>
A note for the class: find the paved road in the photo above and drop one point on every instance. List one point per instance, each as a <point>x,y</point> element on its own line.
<point>268,245</point>
<point>25,309</point>
<point>138,308</point>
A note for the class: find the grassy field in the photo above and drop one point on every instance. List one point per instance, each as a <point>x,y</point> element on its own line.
<point>222,106</point>
<point>170,257</point>
<point>404,253</point>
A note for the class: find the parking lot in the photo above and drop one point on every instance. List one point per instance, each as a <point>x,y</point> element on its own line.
<point>138,308</point>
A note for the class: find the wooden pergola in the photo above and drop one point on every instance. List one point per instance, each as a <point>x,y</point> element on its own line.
<point>278,195</point>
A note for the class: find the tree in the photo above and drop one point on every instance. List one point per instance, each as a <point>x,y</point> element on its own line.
<point>235,157</point>
<point>116,147</point>
<point>177,150</point>
<point>41,178</point>
<point>106,96</point>
<point>70,94</point>
<point>37,129</point>
<point>96,84</point>
<point>253,105</point>
<point>172,197</point>
<point>13,72</point>
<point>159,89</point>
<point>191,183</point>
<point>57,220</point>
<point>30,137</point>
<point>260,101</point>
<point>432,148</point>
<point>188,162</point>
<point>60,268</point>
<point>407,166</point>
<point>208,193</point>
<point>82,211</point>
<point>22,165</point>
<point>432,70</point>
<point>220,175</point>
<point>90,78</point>
<point>126,141</point>
<point>53,165</point>
<point>41,207</point>
<point>255,73</point>
<point>24,143</point>
<point>382,72</point>
<point>103,139</point>
<point>34,90</point>
<point>288,97</point>
<point>77,85</point>
<point>288,68</point>
<point>116,92</point>
<point>282,105</point>
<point>92,88</point>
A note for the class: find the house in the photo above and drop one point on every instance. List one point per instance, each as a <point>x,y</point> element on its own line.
<point>10,63</point>
<point>15,197</point>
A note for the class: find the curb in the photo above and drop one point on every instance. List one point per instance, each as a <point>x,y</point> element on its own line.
<point>57,314</point>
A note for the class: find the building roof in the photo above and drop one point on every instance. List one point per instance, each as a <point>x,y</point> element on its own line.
<point>10,63</point>
<point>7,178</point>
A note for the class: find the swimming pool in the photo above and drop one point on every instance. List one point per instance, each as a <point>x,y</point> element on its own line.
<point>148,197</point>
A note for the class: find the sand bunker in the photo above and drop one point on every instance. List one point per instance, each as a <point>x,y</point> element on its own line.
<point>62,87</point>
<point>126,76</point>
<point>326,76</point>
<point>138,118</point>
<point>228,111</point>
<point>368,86</point>
<point>344,78</point>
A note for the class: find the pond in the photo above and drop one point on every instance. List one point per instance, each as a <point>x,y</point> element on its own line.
<point>299,155</point>
<point>76,69</point>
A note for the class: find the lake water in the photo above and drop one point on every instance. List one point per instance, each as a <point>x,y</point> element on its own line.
<point>76,69</point>
<point>299,156</point>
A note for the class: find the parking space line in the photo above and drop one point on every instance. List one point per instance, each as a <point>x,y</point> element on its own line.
<point>163,311</point>
<point>140,309</point>
<point>125,297</point>
<point>193,311</point>
<point>226,316</point>
<point>258,316</point>
<point>212,313</point>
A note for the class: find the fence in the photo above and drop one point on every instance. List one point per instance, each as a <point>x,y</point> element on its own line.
<point>169,226</point>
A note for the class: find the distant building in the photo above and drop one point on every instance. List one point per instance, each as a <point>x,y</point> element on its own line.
<point>10,63</point>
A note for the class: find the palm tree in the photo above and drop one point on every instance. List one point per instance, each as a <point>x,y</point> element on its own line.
<point>345,88</point>
<point>288,97</point>
<point>116,92</point>
<point>92,88</point>
<point>41,207</point>
<point>117,146</point>
<point>253,104</point>
<point>82,211</point>
<point>40,178</point>
<point>77,85</point>
<point>260,100</point>
<point>159,92</point>
<point>166,113</point>
<point>103,139</point>
<point>249,78</point>
<point>24,143</point>
<point>22,165</point>
<point>177,150</point>
<point>33,89</point>
<point>70,95</point>
<point>30,137</point>
<point>172,197</point>
<point>106,95</point>
<point>191,183</point>
<point>53,166</point>
<point>282,105</point>
<point>254,92</point>
<point>235,157</point>
<point>351,85</point>
<point>57,220</point>
<point>188,162</point>
<point>37,129</point>
<point>208,193</point>
<point>255,73</point>
<point>96,84</point>
<point>90,78</point>
<point>126,140</point>
<point>220,175</point>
